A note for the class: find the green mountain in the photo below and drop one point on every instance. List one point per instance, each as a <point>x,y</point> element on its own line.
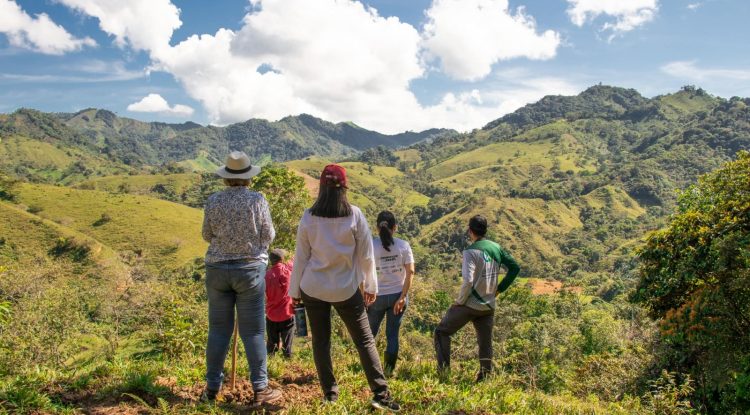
<point>99,142</point>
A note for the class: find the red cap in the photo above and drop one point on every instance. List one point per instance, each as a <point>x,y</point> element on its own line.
<point>334,176</point>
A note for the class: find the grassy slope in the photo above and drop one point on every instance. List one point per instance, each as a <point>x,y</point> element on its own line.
<point>28,239</point>
<point>140,184</point>
<point>50,161</point>
<point>167,234</point>
<point>386,180</point>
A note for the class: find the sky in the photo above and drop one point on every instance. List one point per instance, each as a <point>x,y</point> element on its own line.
<point>386,65</point>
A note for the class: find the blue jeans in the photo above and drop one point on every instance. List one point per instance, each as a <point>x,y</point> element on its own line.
<point>382,307</point>
<point>241,285</point>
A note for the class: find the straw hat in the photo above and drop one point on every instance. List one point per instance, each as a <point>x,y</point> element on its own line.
<point>238,166</point>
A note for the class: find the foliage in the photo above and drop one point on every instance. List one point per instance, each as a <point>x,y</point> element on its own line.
<point>7,188</point>
<point>694,277</point>
<point>288,198</point>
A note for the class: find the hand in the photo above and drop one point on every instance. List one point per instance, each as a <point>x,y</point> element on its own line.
<point>296,301</point>
<point>398,308</point>
<point>369,299</point>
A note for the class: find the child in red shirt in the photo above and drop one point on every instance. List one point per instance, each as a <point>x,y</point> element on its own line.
<point>279,307</point>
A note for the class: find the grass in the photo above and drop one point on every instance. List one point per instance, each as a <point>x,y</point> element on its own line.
<point>51,162</point>
<point>27,239</point>
<point>368,184</point>
<point>164,234</point>
<point>172,387</point>
<point>140,184</point>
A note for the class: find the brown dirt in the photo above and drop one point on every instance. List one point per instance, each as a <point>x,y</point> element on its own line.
<point>298,388</point>
<point>311,184</point>
<point>541,287</point>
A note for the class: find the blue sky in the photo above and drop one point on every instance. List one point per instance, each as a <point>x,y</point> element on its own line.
<point>388,65</point>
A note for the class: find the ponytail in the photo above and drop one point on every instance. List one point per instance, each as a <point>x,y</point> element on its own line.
<point>386,225</point>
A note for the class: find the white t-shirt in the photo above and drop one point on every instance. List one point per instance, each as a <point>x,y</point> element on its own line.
<point>334,255</point>
<point>391,265</point>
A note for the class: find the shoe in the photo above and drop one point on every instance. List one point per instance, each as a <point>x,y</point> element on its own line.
<point>385,402</point>
<point>209,395</point>
<point>482,375</point>
<point>267,395</point>
<point>330,397</point>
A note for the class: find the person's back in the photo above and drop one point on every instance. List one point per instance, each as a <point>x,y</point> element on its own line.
<point>279,307</point>
<point>395,268</point>
<point>236,226</point>
<point>331,270</point>
<point>335,268</point>
<point>476,299</point>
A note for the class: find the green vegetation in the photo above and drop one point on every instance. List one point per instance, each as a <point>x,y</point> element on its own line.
<point>102,304</point>
<point>694,277</point>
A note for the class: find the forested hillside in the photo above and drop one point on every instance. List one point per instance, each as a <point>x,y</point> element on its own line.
<point>103,307</point>
<point>60,147</point>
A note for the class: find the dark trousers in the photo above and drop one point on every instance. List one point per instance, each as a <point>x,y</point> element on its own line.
<point>457,317</point>
<point>280,332</point>
<point>352,312</point>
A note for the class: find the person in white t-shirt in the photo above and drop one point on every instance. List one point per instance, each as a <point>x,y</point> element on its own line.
<point>335,268</point>
<point>394,264</point>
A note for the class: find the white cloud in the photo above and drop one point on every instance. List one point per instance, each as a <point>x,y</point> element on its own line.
<point>141,24</point>
<point>627,14</point>
<point>335,59</point>
<point>156,103</point>
<point>694,6</point>
<point>689,71</point>
<point>469,36</point>
<point>37,33</point>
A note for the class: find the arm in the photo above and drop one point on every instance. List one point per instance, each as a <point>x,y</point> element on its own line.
<point>409,267</point>
<point>206,231</point>
<point>267,232</point>
<point>467,272</point>
<point>301,257</point>
<point>366,256</point>
<point>513,269</point>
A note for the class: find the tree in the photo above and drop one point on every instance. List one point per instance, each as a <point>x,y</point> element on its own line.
<point>288,198</point>
<point>694,277</point>
<point>7,188</point>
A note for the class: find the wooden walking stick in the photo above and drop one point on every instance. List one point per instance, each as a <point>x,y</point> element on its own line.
<point>234,355</point>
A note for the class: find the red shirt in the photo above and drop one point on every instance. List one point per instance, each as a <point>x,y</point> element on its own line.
<point>279,306</point>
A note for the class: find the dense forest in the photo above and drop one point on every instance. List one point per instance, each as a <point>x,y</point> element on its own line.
<point>630,217</point>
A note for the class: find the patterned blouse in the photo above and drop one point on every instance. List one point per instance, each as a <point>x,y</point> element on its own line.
<point>237,224</point>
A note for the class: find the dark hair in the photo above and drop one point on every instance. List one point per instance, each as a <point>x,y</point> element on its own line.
<point>237,182</point>
<point>478,225</point>
<point>386,224</point>
<point>331,203</point>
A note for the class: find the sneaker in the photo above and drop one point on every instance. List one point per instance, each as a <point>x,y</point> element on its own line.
<point>330,397</point>
<point>385,402</point>
<point>209,395</point>
<point>267,395</point>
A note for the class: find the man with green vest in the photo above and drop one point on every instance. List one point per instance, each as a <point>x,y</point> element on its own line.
<point>476,300</point>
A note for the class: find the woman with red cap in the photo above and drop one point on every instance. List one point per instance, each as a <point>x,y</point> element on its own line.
<point>335,266</point>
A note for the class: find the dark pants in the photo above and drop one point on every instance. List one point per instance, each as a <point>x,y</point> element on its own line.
<point>457,317</point>
<point>383,308</point>
<point>280,331</point>
<point>352,312</point>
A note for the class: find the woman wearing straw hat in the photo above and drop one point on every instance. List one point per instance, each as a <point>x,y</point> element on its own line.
<point>237,224</point>
<point>335,266</point>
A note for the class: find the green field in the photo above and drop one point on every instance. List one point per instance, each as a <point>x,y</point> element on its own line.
<point>161,233</point>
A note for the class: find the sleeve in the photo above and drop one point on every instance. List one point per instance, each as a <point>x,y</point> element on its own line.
<point>301,257</point>
<point>365,255</point>
<point>206,230</point>
<point>408,254</point>
<point>267,232</point>
<point>467,272</point>
<point>513,269</point>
